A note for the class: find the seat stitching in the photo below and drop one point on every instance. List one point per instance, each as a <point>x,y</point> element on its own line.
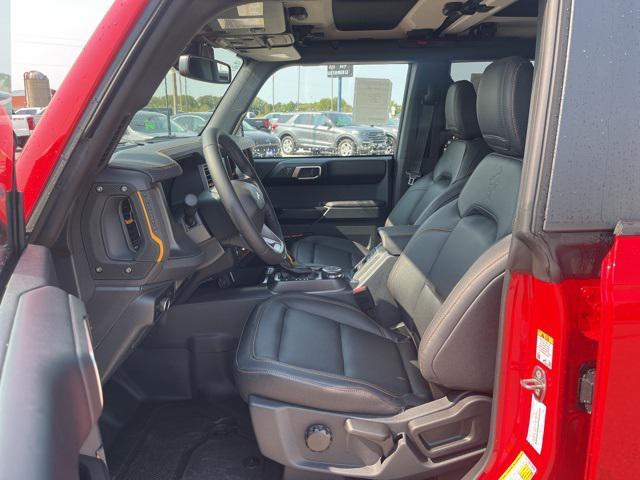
<point>257,358</point>
<point>433,360</point>
<point>282,326</point>
<point>359,391</point>
<point>328,375</point>
<point>344,368</point>
<point>513,110</point>
<point>454,301</point>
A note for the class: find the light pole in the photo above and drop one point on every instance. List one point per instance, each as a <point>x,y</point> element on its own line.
<point>298,101</point>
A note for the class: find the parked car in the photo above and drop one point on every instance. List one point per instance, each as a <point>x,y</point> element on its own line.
<point>24,125</point>
<point>330,132</point>
<point>259,123</point>
<point>146,125</point>
<point>265,144</point>
<point>193,121</point>
<point>391,131</point>
<point>276,118</point>
<point>30,111</point>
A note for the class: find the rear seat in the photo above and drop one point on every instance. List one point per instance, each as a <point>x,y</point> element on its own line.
<point>427,194</point>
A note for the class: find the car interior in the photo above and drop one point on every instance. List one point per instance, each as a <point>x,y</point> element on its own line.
<point>310,316</point>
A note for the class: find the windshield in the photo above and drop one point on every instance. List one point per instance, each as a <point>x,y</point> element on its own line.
<point>340,119</point>
<point>246,126</point>
<point>180,106</point>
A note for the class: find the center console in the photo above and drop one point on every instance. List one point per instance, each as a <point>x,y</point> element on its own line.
<point>313,279</point>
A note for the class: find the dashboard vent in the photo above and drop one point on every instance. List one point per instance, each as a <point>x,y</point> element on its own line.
<point>130,224</point>
<point>207,176</point>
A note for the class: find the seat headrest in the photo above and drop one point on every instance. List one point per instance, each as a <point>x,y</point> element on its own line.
<point>504,95</point>
<point>460,110</point>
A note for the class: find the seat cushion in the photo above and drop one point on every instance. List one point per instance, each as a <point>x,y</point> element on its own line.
<point>324,250</point>
<point>320,353</point>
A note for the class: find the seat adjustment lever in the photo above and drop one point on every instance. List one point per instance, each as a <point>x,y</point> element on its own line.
<point>373,432</point>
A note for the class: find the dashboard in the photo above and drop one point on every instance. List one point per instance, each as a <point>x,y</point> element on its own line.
<point>142,245</point>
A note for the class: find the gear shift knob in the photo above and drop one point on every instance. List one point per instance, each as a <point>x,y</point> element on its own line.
<point>190,209</point>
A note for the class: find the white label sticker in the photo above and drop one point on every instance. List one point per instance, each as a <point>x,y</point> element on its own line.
<point>544,349</point>
<point>251,10</point>
<point>535,435</point>
<point>371,101</point>
<point>521,469</point>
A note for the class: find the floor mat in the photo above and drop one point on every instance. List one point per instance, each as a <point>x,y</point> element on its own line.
<point>189,441</point>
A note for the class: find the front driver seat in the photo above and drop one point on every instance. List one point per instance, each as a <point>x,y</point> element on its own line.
<point>325,357</point>
<point>426,195</point>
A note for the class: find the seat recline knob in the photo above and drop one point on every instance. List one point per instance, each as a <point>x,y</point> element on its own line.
<point>318,437</point>
<point>331,272</point>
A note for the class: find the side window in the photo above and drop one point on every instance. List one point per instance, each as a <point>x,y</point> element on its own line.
<point>304,119</point>
<point>321,120</point>
<point>360,106</point>
<point>471,71</point>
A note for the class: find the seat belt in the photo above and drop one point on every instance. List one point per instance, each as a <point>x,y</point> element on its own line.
<point>423,133</point>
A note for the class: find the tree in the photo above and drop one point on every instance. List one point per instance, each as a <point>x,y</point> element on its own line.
<point>208,103</point>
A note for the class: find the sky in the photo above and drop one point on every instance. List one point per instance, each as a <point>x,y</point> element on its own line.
<point>48,35</point>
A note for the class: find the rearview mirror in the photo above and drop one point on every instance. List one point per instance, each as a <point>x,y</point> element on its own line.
<point>204,69</point>
<point>328,123</point>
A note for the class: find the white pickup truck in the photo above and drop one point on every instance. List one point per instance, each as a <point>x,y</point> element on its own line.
<point>24,122</point>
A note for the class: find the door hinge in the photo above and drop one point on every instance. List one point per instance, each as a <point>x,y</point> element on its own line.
<point>586,386</point>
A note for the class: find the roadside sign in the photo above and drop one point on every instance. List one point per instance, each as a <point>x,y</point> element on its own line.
<point>337,70</point>
<point>372,101</point>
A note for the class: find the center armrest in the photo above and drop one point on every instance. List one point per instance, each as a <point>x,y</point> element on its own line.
<point>396,237</point>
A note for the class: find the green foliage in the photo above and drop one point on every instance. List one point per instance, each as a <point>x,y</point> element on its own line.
<point>260,107</point>
<point>186,103</point>
<point>5,82</point>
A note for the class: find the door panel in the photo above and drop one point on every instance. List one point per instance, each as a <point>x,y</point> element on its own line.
<point>51,395</point>
<point>349,197</point>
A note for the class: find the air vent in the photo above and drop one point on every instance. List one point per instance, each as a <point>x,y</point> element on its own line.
<point>206,174</point>
<point>130,224</point>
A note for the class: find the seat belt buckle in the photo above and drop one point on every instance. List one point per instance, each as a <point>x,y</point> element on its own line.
<point>364,299</point>
<point>412,178</point>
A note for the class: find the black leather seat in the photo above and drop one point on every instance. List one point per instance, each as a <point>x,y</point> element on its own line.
<point>426,195</point>
<point>319,353</point>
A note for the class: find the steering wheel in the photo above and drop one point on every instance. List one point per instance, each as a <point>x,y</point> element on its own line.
<point>244,199</point>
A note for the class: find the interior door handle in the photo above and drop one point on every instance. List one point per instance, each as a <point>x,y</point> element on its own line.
<point>307,172</point>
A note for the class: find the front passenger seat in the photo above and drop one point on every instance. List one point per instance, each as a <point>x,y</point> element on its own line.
<point>426,195</point>
<point>328,355</point>
<point>331,390</point>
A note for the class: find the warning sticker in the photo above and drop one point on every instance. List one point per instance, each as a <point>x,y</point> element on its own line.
<point>544,349</point>
<point>521,469</point>
<point>535,434</point>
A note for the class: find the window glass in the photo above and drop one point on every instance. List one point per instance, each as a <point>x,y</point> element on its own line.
<point>180,106</point>
<point>471,71</point>
<point>331,110</point>
<point>304,119</point>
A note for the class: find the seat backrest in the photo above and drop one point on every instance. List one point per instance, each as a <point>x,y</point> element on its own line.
<point>454,263</point>
<point>455,165</point>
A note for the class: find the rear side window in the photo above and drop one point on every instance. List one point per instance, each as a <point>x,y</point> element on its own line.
<point>338,109</point>
<point>471,71</point>
<point>303,120</point>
